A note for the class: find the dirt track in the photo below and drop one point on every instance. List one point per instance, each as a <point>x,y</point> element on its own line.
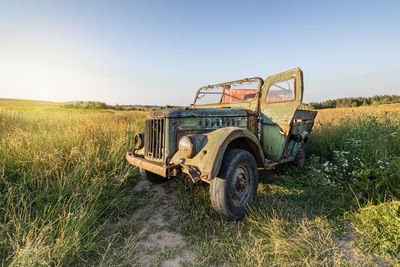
<point>160,243</point>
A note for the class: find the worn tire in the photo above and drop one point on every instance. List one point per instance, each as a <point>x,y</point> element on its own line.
<point>235,188</point>
<point>152,177</point>
<point>300,159</point>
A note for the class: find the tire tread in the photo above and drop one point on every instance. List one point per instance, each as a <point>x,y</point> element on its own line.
<point>219,188</point>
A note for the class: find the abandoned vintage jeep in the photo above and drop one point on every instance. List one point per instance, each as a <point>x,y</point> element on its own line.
<point>229,131</point>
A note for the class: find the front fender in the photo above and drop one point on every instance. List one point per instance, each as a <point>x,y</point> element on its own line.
<point>207,161</point>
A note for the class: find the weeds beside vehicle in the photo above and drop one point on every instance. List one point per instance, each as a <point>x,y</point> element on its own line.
<point>63,179</point>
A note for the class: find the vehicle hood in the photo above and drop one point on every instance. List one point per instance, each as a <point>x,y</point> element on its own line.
<point>199,112</point>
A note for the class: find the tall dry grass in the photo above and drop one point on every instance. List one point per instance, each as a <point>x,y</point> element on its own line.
<point>62,177</point>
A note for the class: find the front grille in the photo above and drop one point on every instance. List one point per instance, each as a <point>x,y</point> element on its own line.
<point>155,139</point>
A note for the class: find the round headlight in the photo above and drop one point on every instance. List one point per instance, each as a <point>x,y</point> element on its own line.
<point>186,147</point>
<point>139,140</point>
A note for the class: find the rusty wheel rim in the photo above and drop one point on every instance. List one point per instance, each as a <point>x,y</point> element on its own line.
<point>240,185</point>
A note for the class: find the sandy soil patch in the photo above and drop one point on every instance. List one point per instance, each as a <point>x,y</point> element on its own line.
<point>160,243</point>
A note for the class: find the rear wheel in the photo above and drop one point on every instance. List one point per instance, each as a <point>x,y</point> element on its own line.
<point>235,188</point>
<point>152,177</point>
<point>301,155</point>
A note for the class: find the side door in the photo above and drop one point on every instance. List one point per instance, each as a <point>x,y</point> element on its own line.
<point>282,94</point>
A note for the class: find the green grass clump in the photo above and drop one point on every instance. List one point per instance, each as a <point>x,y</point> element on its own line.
<point>63,177</point>
<point>362,152</point>
<point>379,228</point>
<point>291,223</point>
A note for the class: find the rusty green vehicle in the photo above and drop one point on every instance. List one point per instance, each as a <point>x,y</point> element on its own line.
<point>229,132</point>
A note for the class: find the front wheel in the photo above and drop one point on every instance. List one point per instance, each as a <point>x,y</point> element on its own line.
<point>235,188</point>
<point>152,177</point>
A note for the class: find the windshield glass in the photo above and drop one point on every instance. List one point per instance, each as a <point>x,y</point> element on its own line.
<point>242,90</point>
<point>281,91</point>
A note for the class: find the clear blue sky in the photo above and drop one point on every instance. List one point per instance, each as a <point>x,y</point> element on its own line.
<point>160,52</point>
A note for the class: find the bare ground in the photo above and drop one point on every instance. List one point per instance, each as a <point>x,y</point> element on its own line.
<point>159,240</point>
<point>346,246</point>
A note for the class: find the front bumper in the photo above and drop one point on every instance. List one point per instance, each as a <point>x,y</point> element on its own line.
<point>148,165</point>
<point>165,170</point>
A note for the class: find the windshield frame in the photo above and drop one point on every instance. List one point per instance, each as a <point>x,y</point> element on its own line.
<point>257,79</point>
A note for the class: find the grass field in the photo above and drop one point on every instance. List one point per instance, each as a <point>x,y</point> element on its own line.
<point>23,102</point>
<point>66,194</point>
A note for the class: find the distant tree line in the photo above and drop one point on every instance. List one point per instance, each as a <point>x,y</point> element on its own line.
<point>92,105</point>
<point>354,102</point>
<point>134,108</point>
<point>101,105</point>
<point>88,105</point>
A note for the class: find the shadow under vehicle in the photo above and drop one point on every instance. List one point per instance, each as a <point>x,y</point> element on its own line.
<point>229,132</point>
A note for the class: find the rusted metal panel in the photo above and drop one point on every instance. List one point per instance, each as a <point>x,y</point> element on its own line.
<point>195,113</point>
<point>302,114</point>
<point>282,112</point>
<point>149,165</point>
<point>302,126</point>
<point>269,164</point>
<point>210,123</point>
<point>252,124</point>
<point>208,159</point>
<point>277,116</point>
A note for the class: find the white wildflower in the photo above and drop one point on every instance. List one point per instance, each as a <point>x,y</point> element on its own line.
<point>329,181</point>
